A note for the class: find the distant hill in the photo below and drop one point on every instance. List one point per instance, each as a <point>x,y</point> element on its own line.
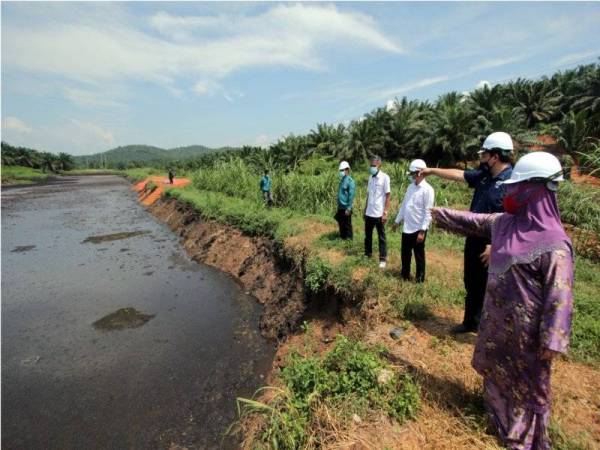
<point>130,154</point>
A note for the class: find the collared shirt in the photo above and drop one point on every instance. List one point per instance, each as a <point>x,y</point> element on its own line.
<point>346,193</point>
<point>378,187</point>
<point>265,183</point>
<point>415,209</point>
<point>488,194</point>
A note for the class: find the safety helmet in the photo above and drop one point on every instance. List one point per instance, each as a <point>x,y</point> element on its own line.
<point>344,165</point>
<point>416,166</point>
<point>536,166</point>
<point>499,141</point>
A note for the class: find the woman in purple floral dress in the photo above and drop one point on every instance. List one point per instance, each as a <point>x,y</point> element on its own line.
<point>526,320</point>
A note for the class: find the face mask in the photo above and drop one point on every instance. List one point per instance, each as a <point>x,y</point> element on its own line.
<point>373,170</point>
<point>484,167</point>
<point>411,178</point>
<point>342,174</point>
<point>511,202</point>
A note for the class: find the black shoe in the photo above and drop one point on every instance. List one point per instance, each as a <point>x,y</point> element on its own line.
<point>462,328</point>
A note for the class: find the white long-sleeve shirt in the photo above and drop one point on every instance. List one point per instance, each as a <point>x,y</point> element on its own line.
<point>415,210</point>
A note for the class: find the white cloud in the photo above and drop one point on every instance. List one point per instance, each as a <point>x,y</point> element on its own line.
<point>89,130</point>
<point>482,84</point>
<point>390,105</point>
<point>577,57</point>
<point>263,140</point>
<point>84,97</point>
<point>206,87</point>
<point>495,62</point>
<point>14,124</point>
<point>97,51</point>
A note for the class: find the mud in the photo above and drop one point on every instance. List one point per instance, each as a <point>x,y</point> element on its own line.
<point>22,248</point>
<point>171,383</point>
<point>255,262</point>
<point>121,319</point>
<point>113,237</point>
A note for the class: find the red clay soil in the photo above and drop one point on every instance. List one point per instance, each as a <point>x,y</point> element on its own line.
<point>579,178</point>
<point>148,196</point>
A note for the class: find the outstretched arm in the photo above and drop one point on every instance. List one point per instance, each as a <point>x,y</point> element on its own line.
<point>464,222</point>
<point>448,174</point>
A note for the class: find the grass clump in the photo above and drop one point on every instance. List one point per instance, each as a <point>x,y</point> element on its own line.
<point>350,379</point>
<point>317,272</point>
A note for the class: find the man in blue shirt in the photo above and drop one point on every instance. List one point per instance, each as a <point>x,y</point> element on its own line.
<point>345,198</point>
<point>495,165</point>
<point>265,188</point>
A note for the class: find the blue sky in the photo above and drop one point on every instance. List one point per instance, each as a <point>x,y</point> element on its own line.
<point>86,77</point>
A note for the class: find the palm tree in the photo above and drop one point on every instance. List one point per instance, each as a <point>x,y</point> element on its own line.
<point>536,101</point>
<point>408,128</point>
<point>65,161</point>
<point>365,139</point>
<point>589,100</point>
<point>327,140</point>
<point>452,137</point>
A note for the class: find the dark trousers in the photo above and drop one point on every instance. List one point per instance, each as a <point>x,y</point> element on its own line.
<point>370,223</point>
<point>345,223</point>
<point>475,280</point>
<point>410,245</point>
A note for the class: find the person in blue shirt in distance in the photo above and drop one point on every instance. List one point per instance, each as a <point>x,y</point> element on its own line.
<point>345,199</point>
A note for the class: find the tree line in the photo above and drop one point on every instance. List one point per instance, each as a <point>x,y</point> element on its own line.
<point>450,130</point>
<point>28,157</point>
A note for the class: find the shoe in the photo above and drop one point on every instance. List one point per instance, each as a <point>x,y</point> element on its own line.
<point>462,328</point>
<point>382,264</point>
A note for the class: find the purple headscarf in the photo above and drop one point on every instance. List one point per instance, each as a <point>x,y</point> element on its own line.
<point>534,230</point>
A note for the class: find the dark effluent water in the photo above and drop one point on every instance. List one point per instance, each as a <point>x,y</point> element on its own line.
<point>67,384</point>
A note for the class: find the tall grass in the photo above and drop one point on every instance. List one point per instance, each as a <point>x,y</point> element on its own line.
<point>21,174</point>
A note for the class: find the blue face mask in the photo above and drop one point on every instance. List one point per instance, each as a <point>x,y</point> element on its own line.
<point>411,179</point>
<point>373,170</point>
<point>342,174</point>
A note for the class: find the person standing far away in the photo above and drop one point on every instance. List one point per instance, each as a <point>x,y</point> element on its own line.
<point>171,176</point>
<point>345,198</point>
<point>376,209</point>
<point>416,217</point>
<point>265,188</point>
<point>526,319</point>
<point>495,166</point>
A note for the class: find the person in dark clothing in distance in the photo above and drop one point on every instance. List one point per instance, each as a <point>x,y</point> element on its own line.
<point>345,198</point>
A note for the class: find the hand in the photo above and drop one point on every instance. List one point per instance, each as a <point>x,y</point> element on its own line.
<point>420,237</point>
<point>394,226</point>
<point>347,212</point>
<point>548,354</point>
<point>384,217</point>
<point>425,172</point>
<point>485,256</point>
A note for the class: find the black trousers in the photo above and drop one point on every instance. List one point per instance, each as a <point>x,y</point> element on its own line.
<point>370,223</point>
<point>345,223</point>
<point>410,245</point>
<point>475,278</point>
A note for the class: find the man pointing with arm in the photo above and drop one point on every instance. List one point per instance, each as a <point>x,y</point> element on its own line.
<point>495,165</point>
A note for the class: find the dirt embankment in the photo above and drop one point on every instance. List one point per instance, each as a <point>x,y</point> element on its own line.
<point>253,261</point>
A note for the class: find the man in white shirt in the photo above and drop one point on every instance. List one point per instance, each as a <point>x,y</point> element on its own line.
<point>416,214</point>
<point>376,209</point>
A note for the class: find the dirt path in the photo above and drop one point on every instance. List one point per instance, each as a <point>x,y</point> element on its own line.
<point>148,196</point>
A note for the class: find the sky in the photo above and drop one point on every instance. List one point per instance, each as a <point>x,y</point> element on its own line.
<point>86,77</point>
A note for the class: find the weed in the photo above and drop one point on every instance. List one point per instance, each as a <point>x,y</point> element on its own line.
<point>316,273</point>
<point>347,379</point>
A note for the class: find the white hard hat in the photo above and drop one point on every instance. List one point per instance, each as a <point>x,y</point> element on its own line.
<point>416,165</point>
<point>497,141</point>
<point>541,165</point>
<point>344,165</point>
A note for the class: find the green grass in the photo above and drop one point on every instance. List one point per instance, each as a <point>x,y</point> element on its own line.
<point>140,174</point>
<point>350,379</point>
<point>22,175</point>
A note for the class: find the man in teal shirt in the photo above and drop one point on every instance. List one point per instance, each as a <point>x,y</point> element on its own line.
<point>346,192</point>
<point>265,188</point>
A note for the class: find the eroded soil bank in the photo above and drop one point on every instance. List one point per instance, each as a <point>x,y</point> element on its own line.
<point>252,261</point>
